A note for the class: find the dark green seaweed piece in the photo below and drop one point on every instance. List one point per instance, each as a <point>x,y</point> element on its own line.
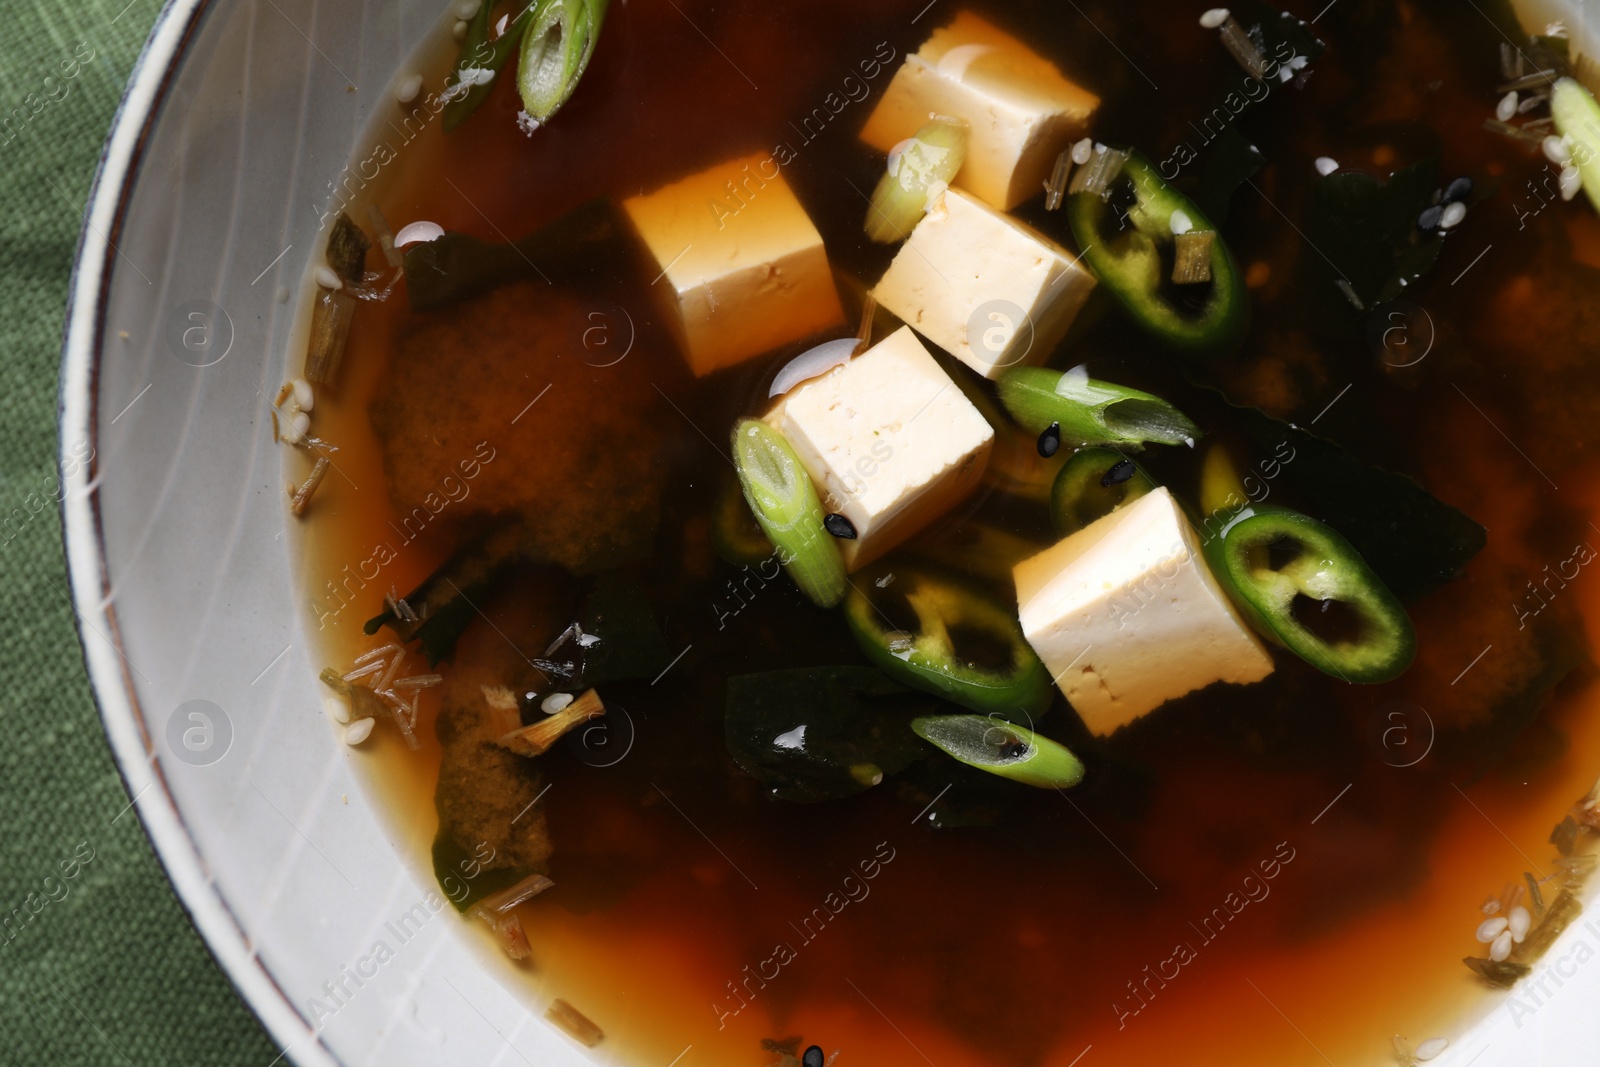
<point>456,266</point>
<point>445,603</point>
<point>1565,836</point>
<point>1367,230</point>
<point>462,876</point>
<point>347,250</point>
<point>478,51</point>
<point>1411,539</point>
<point>631,646</point>
<point>1230,161</point>
<point>1501,974</point>
<point>822,733</point>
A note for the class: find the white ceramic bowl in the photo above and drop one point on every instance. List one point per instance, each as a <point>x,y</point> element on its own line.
<point>202,219</point>
<point>184,304</point>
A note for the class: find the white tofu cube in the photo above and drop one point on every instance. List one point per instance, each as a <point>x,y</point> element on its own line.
<point>1126,615</point>
<point>1022,110</point>
<point>889,441</point>
<point>742,268</point>
<point>990,291</point>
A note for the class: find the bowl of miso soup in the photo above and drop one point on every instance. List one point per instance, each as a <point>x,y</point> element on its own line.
<point>703,533</point>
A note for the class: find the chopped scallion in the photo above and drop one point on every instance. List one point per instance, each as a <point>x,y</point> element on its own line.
<point>1577,118</point>
<point>556,49</point>
<point>787,509</point>
<point>1091,411</point>
<point>1191,263</point>
<point>918,168</point>
<point>1002,748</point>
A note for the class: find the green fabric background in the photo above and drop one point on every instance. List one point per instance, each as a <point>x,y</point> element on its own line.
<point>111,973</point>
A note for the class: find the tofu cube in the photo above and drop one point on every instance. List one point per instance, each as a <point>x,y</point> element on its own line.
<point>889,441</point>
<point>1022,110</point>
<point>990,291</point>
<point>742,268</point>
<point>1126,615</point>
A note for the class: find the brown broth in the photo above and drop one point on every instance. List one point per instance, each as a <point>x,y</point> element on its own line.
<point>1018,944</point>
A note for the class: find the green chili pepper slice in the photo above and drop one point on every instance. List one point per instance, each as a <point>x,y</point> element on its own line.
<point>1092,484</point>
<point>1125,230</point>
<point>1305,587</point>
<point>944,637</point>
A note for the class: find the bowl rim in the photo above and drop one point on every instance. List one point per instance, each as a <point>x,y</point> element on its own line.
<point>149,87</point>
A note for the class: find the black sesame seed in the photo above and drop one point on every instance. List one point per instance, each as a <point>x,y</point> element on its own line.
<point>840,526</point>
<point>1428,221</point>
<point>1458,190</point>
<point>1120,472</point>
<point>1050,440</point>
<point>813,1057</point>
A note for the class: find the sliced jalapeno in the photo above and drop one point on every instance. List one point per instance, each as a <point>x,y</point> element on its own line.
<point>941,636</point>
<point>1127,226</point>
<point>1092,484</point>
<point>1305,587</point>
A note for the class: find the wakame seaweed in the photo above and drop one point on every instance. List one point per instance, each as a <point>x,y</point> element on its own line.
<point>823,733</point>
<point>445,603</point>
<point>631,646</point>
<point>1366,230</point>
<point>455,266</point>
<point>1413,541</point>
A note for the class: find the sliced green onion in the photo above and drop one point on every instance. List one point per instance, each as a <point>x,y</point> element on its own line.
<point>1094,483</point>
<point>1001,748</point>
<point>480,53</point>
<point>556,49</point>
<point>1092,412</point>
<point>1577,118</point>
<point>917,167</point>
<point>786,507</point>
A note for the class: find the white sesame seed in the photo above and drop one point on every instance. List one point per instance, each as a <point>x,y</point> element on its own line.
<point>1520,922</point>
<point>1214,18</point>
<point>1490,929</point>
<point>459,31</point>
<point>1452,216</point>
<point>1082,151</point>
<point>1326,165</point>
<point>358,731</point>
<point>339,710</point>
<point>555,702</point>
<point>1501,947</point>
<point>408,88</point>
<point>418,233</point>
<point>468,8</point>
<point>304,396</point>
<point>1556,150</point>
<point>1571,182</point>
<point>300,425</point>
<point>1507,107</point>
<point>1180,221</point>
<point>327,279</point>
<point>1431,1048</point>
